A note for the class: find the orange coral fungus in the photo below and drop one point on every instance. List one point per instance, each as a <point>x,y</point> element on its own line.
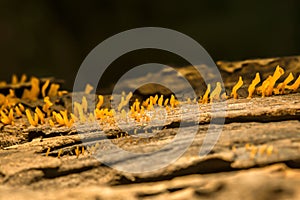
<point>44,87</point>
<point>53,90</point>
<point>277,74</point>
<point>33,93</point>
<point>33,122</point>
<point>205,96</point>
<point>215,94</point>
<point>281,86</point>
<point>295,85</point>
<point>236,87</point>
<point>251,87</point>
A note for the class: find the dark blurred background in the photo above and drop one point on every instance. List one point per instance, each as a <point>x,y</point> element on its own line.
<point>51,38</point>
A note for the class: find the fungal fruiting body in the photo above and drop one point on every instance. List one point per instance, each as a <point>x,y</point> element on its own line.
<point>281,86</point>
<point>7,119</point>
<point>32,120</point>
<point>88,89</point>
<point>277,74</point>
<point>263,88</point>
<point>77,151</point>
<point>45,87</point>
<point>236,87</point>
<point>215,94</point>
<point>33,93</point>
<point>295,85</point>
<point>251,87</point>
<point>48,151</point>
<point>205,96</point>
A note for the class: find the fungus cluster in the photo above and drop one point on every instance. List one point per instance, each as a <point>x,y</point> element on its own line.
<point>261,150</point>
<point>268,86</point>
<point>11,107</point>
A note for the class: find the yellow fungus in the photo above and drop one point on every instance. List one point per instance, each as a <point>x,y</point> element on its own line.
<point>142,110</point>
<point>233,148</point>
<point>7,119</point>
<point>188,100</point>
<point>73,117</point>
<point>77,151</point>
<point>265,87</point>
<point>23,78</point>
<point>166,102</point>
<point>262,149</point>
<point>137,105</point>
<point>151,99</point>
<point>146,103</point>
<point>61,93</point>
<point>168,109</point>
<point>96,113</point>
<point>40,115</point>
<point>33,93</point>
<point>59,153</point>
<point>36,118</point>
<point>205,96</point>
<point>110,113</point>
<point>277,74</point>
<point>88,89</point>
<point>295,85</point>
<point>270,150</point>
<point>14,79</point>
<point>11,93</point>
<point>2,99</point>
<point>53,90</point>
<point>224,96</point>
<point>281,86</point>
<point>215,94</point>
<point>47,105</point>
<point>91,118</point>
<point>35,89</point>
<point>67,122</point>
<point>100,101</point>
<point>18,111</point>
<point>79,109</point>
<point>84,104</point>
<point>21,107</point>
<point>132,108</point>
<point>120,106</point>
<point>44,87</point>
<point>150,106</point>
<point>2,83</point>
<point>253,84</point>
<point>48,151</point>
<point>248,146</point>
<point>155,99</point>
<point>160,100</point>
<point>51,123</point>
<point>32,121</point>
<point>128,97</point>
<point>236,87</point>
<point>172,101</point>
<point>259,89</point>
<point>59,119</point>
<point>123,115</point>
<point>82,150</point>
<point>253,152</point>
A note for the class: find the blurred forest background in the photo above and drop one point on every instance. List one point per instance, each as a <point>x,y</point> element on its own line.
<point>51,38</point>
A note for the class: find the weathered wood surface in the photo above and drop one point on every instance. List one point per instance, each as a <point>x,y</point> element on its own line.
<point>257,156</point>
